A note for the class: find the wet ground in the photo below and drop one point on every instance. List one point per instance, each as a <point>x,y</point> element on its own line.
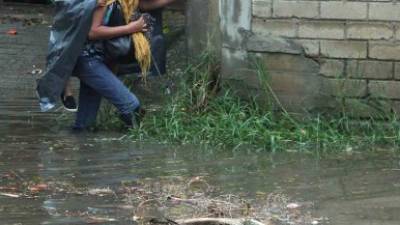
<point>50,176</point>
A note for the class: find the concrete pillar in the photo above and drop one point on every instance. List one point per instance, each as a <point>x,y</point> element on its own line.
<point>235,23</point>
<point>235,20</point>
<point>203,21</point>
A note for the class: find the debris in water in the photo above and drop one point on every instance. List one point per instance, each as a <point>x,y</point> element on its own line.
<point>198,184</point>
<point>12,31</point>
<point>228,221</point>
<point>170,200</point>
<point>148,210</point>
<point>293,206</point>
<point>10,195</point>
<point>36,71</point>
<point>101,191</point>
<point>8,188</point>
<point>98,220</point>
<point>38,187</point>
<point>349,149</point>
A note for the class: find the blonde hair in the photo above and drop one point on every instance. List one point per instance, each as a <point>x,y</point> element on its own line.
<point>141,43</point>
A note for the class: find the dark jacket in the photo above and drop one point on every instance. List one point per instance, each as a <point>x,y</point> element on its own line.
<point>72,22</point>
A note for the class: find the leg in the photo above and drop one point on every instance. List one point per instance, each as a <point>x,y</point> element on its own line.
<point>89,104</point>
<point>101,82</point>
<point>67,98</point>
<point>158,47</point>
<point>68,89</point>
<point>159,55</point>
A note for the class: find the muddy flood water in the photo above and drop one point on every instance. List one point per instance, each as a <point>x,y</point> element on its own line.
<point>49,175</point>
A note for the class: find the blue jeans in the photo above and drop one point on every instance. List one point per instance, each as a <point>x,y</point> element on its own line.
<point>98,81</point>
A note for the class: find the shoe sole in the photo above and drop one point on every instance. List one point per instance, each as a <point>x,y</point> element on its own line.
<point>70,110</point>
<point>67,109</point>
<point>47,110</point>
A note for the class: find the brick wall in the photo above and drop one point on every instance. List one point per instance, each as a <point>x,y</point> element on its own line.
<point>357,42</point>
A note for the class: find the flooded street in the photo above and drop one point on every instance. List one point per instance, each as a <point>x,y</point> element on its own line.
<point>49,175</point>
<point>347,190</point>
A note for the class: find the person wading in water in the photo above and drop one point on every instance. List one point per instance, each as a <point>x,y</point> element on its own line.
<point>91,65</point>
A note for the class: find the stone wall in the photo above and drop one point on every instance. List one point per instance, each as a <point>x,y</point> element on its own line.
<point>355,40</point>
<point>320,54</point>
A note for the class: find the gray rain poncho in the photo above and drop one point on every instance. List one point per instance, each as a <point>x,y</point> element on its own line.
<point>72,22</point>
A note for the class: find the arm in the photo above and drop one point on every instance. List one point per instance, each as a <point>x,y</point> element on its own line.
<point>100,32</point>
<point>147,5</point>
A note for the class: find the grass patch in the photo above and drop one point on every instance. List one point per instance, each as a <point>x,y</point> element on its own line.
<point>231,123</point>
<point>199,114</point>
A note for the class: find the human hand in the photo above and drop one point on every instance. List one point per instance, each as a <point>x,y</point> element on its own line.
<point>137,26</point>
<point>101,3</point>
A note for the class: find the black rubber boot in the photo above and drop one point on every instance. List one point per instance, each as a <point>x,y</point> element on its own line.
<point>139,115</point>
<point>129,120</point>
<point>133,120</point>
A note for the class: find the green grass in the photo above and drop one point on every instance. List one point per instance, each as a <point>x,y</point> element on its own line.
<point>230,123</point>
<point>199,114</point>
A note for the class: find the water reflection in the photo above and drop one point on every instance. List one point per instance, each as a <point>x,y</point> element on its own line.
<point>348,189</point>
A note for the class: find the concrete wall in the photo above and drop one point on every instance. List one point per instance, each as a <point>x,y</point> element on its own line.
<point>336,55</point>
<point>290,73</point>
<point>356,44</point>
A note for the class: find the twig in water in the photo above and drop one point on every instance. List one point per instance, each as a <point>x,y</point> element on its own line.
<point>10,195</point>
<point>226,221</point>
